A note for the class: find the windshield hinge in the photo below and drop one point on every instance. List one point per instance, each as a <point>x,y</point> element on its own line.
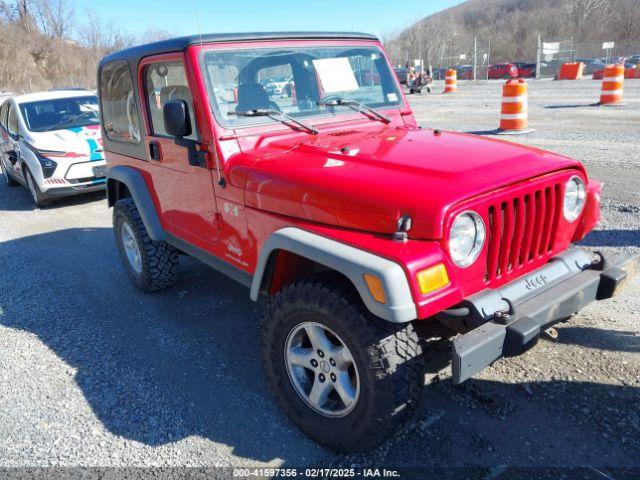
<point>402,228</point>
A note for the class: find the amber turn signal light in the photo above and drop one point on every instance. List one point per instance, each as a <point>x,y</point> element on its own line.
<point>375,287</point>
<point>432,278</point>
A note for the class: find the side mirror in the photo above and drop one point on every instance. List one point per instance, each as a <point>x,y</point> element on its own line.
<point>177,122</point>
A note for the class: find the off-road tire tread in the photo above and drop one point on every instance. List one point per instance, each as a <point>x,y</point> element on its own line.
<point>160,261</point>
<point>394,354</point>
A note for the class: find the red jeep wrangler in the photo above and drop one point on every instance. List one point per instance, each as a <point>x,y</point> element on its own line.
<point>502,70</point>
<point>355,224</point>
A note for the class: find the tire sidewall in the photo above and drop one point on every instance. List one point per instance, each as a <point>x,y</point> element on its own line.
<point>38,200</point>
<point>371,396</point>
<point>122,215</point>
<point>5,173</point>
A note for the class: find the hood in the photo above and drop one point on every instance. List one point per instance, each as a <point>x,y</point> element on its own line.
<point>76,142</point>
<point>367,180</point>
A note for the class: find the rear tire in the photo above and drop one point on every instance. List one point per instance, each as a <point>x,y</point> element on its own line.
<point>8,179</point>
<point>386,365</point>
<point>151,265</point>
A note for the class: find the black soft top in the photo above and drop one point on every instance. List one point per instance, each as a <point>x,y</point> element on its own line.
<point>134,54</point>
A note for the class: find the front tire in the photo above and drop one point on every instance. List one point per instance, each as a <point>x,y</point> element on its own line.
<point>151,265</point>
<point>347,379</point>
<point>38,197</point>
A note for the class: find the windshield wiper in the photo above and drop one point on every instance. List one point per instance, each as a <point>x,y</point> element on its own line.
<point>69,120</point>
<point>275,114</point>
<point>358,106</point>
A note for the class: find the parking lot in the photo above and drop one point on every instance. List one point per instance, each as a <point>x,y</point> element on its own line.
<point>95,373</point>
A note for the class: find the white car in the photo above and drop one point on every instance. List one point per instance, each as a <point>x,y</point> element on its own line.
<point>279,86</point>
<point>50,142</point>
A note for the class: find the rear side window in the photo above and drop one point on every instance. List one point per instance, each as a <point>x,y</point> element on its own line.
<point>12,122</point>
<point>166,81</point>
<point>118,103</point>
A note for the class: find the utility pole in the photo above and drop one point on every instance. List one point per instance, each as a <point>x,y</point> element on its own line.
<point>475,58</point>
<point>538,58</point>
<point>488,60</point>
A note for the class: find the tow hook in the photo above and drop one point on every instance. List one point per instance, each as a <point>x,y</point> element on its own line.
<point>551,334</point>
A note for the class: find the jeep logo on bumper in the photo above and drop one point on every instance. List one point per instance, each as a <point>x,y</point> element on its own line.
<point>532,283</point>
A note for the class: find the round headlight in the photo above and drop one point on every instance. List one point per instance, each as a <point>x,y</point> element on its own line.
<point>466,238</point>
<point>575,194</point>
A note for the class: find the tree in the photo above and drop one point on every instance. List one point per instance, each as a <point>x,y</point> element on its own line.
<point>55,17</point>
<point>581,12</point>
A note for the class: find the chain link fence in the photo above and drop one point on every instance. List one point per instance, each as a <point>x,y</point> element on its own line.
<point>471,61</point>
<point>594,55</point>
<point>551,55</point>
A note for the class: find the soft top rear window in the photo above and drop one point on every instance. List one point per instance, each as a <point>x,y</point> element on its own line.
<point>118,103</point>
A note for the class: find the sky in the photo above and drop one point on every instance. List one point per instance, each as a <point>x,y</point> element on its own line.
<point>180,17</point>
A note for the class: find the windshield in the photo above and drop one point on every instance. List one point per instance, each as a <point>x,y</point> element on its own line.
<point>296,81</point>
<point>59,113</point>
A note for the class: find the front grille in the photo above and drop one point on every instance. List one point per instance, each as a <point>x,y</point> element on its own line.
<point>522,229</point>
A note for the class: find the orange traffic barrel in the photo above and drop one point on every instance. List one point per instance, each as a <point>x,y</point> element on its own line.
<point>451,81</point>
<point>571,71</point>
<point>513,115</point>
<point>612,82</point>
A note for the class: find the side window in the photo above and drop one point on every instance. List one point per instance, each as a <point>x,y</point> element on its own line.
<point>118,103</point>
<point>277,81</point>
<point>12,122</point>
<point>166,81</point>
<point>226,91</point>
<point>365,69</point>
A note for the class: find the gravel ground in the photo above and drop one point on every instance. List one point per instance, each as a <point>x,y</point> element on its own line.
<point>94,373</point>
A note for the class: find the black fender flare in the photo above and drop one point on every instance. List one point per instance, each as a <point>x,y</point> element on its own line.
<point>139,190</point>
<point>352,262</point>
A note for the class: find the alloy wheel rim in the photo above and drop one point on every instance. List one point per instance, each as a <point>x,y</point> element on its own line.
<point>322,369</point>
<point>131,248</point>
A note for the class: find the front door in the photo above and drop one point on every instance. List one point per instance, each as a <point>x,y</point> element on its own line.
<point>4,134</point>
<point>185,191</point>
<point>11,144</point>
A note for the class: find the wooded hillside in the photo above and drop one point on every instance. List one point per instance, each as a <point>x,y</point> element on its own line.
<point>512,28</point>
<point>43,45</point>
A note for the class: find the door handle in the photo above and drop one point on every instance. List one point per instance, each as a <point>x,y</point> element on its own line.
<point>155,152</point>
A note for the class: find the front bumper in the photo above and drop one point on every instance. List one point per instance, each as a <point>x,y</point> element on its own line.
<point>77,189</point>
<point>511,319</point>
